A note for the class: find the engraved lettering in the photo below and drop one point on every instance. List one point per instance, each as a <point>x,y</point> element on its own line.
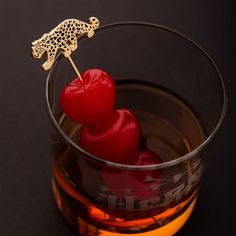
<point>174,195</point>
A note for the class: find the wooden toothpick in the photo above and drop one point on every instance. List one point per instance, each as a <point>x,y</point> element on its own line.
<point>64,38</point>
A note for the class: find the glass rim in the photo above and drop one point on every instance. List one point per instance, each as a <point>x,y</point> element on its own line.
<point>163,165</point>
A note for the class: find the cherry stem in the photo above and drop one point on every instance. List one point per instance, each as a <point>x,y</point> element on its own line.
<point>75,69</point>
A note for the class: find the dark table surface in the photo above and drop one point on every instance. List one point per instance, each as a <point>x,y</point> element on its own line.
<point>26,204</point>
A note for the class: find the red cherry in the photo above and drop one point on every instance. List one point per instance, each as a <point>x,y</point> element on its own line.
<point>115,140</point>
<point>92,101</point>
<point>146,157</point>
<point>142,185</point>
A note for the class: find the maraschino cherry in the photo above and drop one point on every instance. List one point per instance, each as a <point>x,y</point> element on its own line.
<point>91,101</point>
<point>141,185</point>
<point>107,133</point>
<point>115,140</point>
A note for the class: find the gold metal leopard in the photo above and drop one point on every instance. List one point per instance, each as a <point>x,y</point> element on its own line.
<point>62,37</point>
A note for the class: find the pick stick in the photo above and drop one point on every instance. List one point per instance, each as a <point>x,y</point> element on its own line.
<point>63,37</point>
<point>75,68</point>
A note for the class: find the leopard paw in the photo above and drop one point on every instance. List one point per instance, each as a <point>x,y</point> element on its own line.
<point>47,66</point>
<point>67,53</point>
<point>90,33</point>
<point>73,47</point>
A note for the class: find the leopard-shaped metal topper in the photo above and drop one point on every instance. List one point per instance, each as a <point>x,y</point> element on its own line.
<point>62,37</point>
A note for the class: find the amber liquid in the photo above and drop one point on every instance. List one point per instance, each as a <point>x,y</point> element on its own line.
<point>158,135</point>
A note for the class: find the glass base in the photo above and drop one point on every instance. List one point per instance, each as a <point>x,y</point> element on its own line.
<point>85,228</point>
<point>166,230</point>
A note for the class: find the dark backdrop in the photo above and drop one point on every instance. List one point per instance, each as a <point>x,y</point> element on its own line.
<point>26,205</point>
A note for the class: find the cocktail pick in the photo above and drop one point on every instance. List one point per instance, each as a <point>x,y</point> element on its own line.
<point>63,38</point>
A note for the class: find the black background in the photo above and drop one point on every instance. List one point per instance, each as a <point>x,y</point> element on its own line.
<point>26,204</point>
